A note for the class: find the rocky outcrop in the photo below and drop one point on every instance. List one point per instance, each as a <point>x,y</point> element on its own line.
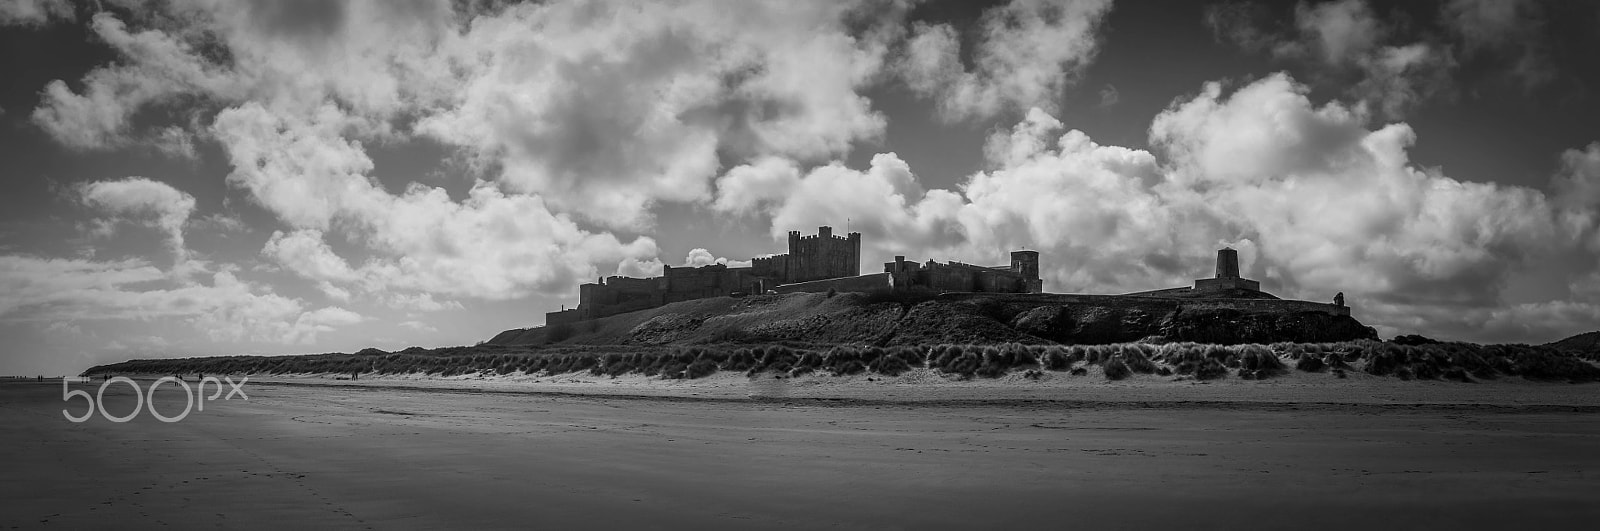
<point>1233,326</point>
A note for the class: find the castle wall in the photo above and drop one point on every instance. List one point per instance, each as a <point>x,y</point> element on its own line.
<point>563,317</point>
<point>1019,277</point>
<point>773,267</point>
<point>810,258</point>
<point>872,282</point>
<point>1262,305</point>
<point>813,263</point>
<point>956,276</point>
<point>717,277</point>
<point>1244,305</point>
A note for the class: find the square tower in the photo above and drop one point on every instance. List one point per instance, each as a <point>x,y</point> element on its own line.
<point>1027,264</point>
<point>1227,274</point>
<point>1227,263</point>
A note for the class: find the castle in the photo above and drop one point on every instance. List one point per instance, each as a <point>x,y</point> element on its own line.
<point>817,263</point>
<point>825,262</point>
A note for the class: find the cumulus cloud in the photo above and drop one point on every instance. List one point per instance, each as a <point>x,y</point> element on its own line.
<point>143,200</point>
<point>610,107</point>
<point>490,245</point>
<point>227,309</point>
<point>577,118</point>
<point>569,112</point>
<point>1338,32</point>
<point>748,186</point>
<point>156,68</point>
<point>1578,183</point>
<point>701,257</point>
<point>269,52</point>
<point>213,300</point>
<point>1346,44</point>
<point>34,12</point>
<point>1316,201</point>
<point>1026,53</point>
<point>1061,194</point>
<point>1577,192</point>
<point>1323,193</point>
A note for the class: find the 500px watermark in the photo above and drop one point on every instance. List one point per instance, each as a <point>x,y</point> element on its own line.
<point>196,401</point>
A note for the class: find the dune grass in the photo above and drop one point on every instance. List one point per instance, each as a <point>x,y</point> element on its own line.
<point>1459,362</point>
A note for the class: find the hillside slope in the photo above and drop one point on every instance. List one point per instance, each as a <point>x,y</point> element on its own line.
<point>1588,342</point>
<point>904,319</point>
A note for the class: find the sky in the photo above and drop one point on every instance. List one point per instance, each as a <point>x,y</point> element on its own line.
<point>208,177</point>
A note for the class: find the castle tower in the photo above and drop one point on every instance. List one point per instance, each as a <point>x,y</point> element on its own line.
<point>819,257</point>
<point>853,255</point>
<point>1227,263</point>
<point>1227,274</point>
<point>1027,263</point>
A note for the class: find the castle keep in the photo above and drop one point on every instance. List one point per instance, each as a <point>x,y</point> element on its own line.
<point>812,258</point>
<point>818,263</point>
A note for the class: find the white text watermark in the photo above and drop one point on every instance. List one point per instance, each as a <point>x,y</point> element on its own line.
<point>192,400</point>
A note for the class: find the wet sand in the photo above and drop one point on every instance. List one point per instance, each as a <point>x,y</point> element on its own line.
<point>383,457</point>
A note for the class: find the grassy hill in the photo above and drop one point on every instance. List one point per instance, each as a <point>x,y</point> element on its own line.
<point>964,335</point>
<point>902,318</point>
<point>1587,343</point>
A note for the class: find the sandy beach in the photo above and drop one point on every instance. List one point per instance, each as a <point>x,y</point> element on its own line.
<point>928,386</point>
<point>371,455</point>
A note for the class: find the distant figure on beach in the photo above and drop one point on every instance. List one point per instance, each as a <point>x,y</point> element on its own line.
<point>353,374</point>
<point>1338,299</point>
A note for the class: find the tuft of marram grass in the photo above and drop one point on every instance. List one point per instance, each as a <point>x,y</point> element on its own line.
<point>1117,370</point>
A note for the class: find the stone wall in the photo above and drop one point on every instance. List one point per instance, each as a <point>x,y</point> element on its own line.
<point>872,282</point>
<point>1264,305</point>
<point>959,277</point>
<point>1132,301</point>
<point>1226,283</point>
<point>822,256</point>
